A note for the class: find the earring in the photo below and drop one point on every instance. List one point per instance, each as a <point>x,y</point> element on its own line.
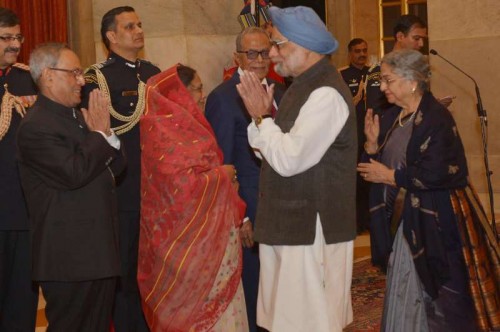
<point>413,90</point>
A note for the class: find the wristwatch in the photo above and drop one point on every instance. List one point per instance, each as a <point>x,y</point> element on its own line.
<point>259,119</point>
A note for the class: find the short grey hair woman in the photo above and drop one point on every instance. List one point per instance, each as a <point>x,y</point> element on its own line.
<point>428,228</point>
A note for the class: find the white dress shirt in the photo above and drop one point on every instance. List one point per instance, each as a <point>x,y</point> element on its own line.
<point>319,122</point>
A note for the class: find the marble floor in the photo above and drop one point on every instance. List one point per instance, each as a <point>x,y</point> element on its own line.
<point>361,251</point>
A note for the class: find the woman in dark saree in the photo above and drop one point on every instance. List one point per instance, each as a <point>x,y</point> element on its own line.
<point>428,228</point>
<point>189,250</point>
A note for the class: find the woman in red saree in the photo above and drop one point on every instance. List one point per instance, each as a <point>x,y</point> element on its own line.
<point>189,249</point>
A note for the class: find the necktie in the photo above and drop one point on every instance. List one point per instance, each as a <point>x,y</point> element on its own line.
<point>273,109</point>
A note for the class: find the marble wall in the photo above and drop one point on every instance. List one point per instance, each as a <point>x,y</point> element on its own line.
<point>468,34</point>
<point>197,33</point>
<point>365,18</point>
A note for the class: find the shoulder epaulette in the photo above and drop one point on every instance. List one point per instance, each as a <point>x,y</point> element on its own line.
<point>21,66</point>
<point>103,64</point>
<point>373,67</point>
<point>147,62</point>
<point>343,68</point>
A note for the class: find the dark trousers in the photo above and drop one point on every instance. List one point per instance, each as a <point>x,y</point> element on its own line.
<point>127,311</point>
<point>362,204</point>
<point>18,294</point>
<point>250,280</point>
<point>251,265</point>
<point>83,306</point>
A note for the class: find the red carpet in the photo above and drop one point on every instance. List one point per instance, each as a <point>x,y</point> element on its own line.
<point>368,287</point>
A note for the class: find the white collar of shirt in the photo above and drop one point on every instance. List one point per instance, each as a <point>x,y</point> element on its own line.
<point>264,80</point>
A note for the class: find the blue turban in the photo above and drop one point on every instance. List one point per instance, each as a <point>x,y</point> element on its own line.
<point>302,26</point>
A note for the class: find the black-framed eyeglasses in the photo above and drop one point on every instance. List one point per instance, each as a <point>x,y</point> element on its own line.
<point>278,43</point>
<point>76,72</point>
<point>254,54</point>
<point>9,39</point>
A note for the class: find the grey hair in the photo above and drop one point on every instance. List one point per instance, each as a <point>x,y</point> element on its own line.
<point>247,31</point>
<point>45,56</point>
<point>411,65</point>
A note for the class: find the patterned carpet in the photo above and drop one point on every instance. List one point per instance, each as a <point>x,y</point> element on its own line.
<point>368,286</point>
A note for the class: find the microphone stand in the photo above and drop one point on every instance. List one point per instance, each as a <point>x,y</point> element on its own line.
<point>483,119</point>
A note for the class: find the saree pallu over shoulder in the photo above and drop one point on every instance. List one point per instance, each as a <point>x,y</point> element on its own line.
<point>189,213</point>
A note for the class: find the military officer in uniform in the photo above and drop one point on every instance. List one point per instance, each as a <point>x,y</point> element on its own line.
<point>410,32</point>
<point>122,78</point>
<point>18,295</point>
<point>355,75</point>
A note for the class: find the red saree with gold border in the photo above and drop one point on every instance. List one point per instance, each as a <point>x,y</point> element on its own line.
<point>189,209</point>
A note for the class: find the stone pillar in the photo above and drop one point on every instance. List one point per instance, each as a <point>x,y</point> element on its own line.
<point>81,33</point>
<point>365,24</point>
<point>338,21</point>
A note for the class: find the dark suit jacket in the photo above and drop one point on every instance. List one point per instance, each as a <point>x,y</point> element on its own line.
<point>229,118</point>
<point>67,174</point>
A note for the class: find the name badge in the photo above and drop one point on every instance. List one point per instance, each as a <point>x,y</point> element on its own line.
<point>129,93</point>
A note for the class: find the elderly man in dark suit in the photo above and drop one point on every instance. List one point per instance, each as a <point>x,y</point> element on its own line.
<point>229,118</point>
<point>68,161</point>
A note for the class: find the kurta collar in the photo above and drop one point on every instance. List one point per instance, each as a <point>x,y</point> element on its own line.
<point>264,81</point>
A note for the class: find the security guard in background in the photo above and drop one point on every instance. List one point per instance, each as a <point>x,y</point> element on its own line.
<point>122,78</point>
<point>355,76</point>
<point>18,294</point>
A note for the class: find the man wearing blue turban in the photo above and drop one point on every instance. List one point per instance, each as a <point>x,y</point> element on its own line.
<point>305,221</point>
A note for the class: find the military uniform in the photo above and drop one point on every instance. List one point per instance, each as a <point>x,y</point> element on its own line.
<point>18,295</point>
<point>123,81</point>
<point>375,99</point>
<point>353,77</point>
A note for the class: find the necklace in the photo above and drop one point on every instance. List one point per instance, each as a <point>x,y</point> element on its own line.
<point>401,124</point>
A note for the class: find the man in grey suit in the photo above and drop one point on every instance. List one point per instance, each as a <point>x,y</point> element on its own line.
<point>68,162</point>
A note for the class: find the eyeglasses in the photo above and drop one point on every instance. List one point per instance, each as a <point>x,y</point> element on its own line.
<point>9,39</point>
<point>277,43</point>
<point>77,72</point>
<point>388,81</point>
<point>253,54</point>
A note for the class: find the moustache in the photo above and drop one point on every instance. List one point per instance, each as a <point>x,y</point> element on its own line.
<point>12,49</point>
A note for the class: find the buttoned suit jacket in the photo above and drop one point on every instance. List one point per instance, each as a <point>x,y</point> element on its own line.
<point>67,174</point>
